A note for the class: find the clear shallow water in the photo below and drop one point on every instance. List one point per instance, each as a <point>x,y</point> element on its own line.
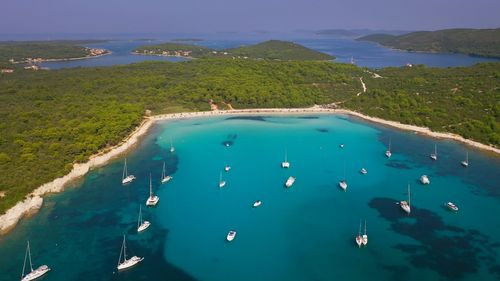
<point>302,233</point>
<point>364,53</point>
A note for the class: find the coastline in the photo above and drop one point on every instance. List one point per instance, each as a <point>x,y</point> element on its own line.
<point>160,55</point>
<point>34,200</point>
<point>78,58</point>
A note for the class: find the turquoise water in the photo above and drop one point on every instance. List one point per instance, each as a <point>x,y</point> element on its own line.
<point>302,233</point>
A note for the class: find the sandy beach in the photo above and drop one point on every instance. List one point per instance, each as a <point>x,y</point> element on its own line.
<point>34,200</point>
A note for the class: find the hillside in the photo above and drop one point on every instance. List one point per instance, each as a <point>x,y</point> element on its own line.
<point>477,42</point>
<point>274,50</point>
<point>279,50</point>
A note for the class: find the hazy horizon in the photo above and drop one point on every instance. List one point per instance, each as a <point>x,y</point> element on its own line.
<point>222,16</point>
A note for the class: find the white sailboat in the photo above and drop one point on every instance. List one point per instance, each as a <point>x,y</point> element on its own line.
<point>406,205</point>
<point>152,199</point>
<point>127,263</point>
<point>465,163</point>
<point>365,237</point>
<point>126,178</point>
<point>289,182</point>
<point>142,224</point>
<point>359,239</point>
<point>34,273</point>
<point>363,171</point>
<point>227,168</point>
<point>343,182</point>
<point>222,183</point>
<point>164,177</point>
<point>285,164</point>
<point>388,152</point>
<point>257,203</point>
<point>172,148</point>
<point>434,156</point>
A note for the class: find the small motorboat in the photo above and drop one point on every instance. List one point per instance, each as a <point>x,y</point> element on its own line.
<point>452,206</point>
<point>289,182</point>
<point>341,145</point>
<point>231,235</point>
<point>424,179</point>
<point>343,184</point>
<point>363,171</point>
<point>257,203</point>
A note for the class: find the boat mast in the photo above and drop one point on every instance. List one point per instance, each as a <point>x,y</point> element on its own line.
<point>150,186</point>
<point>124,249</point>
<point>389,144</point>
<point>409,205</point>
<point>163,171</point>
<point>286,155</point>
<point>25,257</point>
<point>467,157</point>
<point>365,226</point>
<point>139,221</point>
<point>435,149</point>
<point>125,172</point>
<point>359,231</point>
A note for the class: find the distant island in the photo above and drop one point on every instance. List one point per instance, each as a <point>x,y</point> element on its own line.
<point>30,53</point>
<point>273,50</point>
<point>187,40</point>
<point>475,42</point>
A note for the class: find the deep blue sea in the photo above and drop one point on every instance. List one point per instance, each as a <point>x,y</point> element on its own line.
<point>364,54</point>
<point>305,232</point>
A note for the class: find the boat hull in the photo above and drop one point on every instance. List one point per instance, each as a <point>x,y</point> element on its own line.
<point>37,273</point>
<point>128,179</point>
<point>129,263</point>
<point>152,201</point>
<point>143,226</point>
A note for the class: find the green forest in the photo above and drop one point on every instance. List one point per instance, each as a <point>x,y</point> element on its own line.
<point>52,119</point>
<point>476,42</point>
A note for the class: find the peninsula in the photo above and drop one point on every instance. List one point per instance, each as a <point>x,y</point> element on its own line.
<point>14,53</point>
<point>272,50</point>
<point>475,42</point>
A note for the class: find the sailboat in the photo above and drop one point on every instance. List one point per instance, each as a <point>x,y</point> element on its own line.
<point>285,164</point>
<point>222,183</point>
<point>465,163</point>
<point>359,239</point>
<point>388,152</point>
<point>172,148</point>
<point>343,182</point>
<point>126,178</point>
<point>34,273</point>
<point>365,237</point>
<point>289,182</point>
<point>141,224</point>
<point>227,168</point>
<point>434,156</point>
<point>405,205</point>
<point>127,263</point>
<point>164,177</point>
<point>152,199</point>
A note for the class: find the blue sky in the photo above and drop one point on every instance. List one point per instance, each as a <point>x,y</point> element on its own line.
<point>166,16</point>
